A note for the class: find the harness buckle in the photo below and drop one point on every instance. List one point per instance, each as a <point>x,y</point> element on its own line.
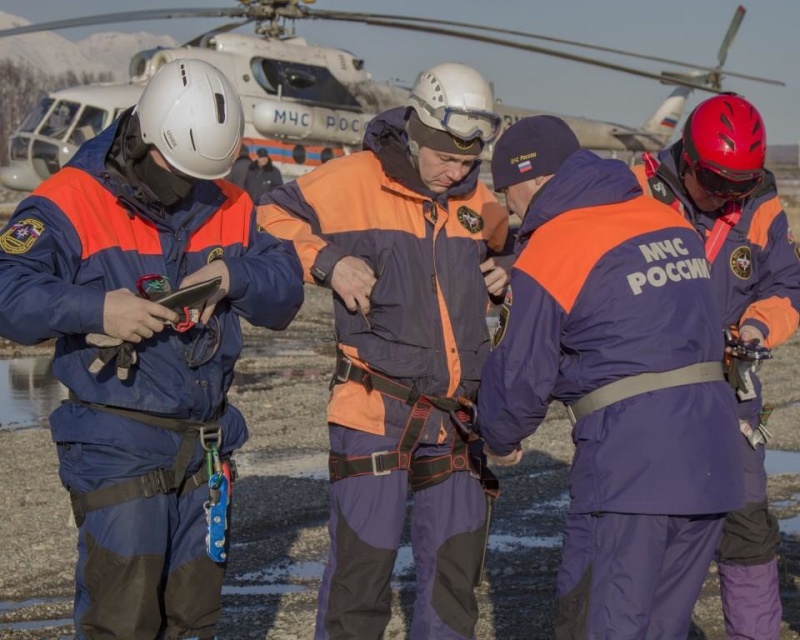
<point>474,464</point>
<point>156,482</point>
<point>210,438</point>
<point>340,376</point>
<point>377,463</point>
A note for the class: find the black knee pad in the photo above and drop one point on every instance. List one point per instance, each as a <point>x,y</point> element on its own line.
<point>750,536</point>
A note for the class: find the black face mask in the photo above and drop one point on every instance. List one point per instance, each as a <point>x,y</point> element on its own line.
<point>168,188</point>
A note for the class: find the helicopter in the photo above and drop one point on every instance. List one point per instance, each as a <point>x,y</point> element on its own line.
<point>306,104</point>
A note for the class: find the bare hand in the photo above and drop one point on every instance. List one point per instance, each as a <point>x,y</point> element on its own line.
<point>503,461</point>
<point>133,319</point>
<point>353,279</point>
<point>496,273</point>
<point>749,333</point>
<point>216,269</point>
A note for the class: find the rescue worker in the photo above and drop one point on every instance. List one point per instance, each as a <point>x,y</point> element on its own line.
<point>610,311</point>
<point>714,177</point>
<point>405,235</point>
<point>141,207</point>
<point>257,176</point>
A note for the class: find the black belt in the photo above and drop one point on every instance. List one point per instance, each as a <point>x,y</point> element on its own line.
<point>159,480</point>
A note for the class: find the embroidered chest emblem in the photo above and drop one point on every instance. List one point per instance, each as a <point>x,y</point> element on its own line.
<point>469,219</point>
<point>742,263</point>
<point>21,236</point>
<point>215,254</point>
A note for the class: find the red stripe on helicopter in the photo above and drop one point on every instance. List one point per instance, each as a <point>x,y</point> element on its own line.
<point>669,122</point>
<point>289,153</point>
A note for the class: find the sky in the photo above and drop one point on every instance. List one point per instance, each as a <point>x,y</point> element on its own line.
<point>687,30</point>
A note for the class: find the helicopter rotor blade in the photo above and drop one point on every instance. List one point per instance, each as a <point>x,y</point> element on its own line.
<point>261,10</point>
<point>738,16</point>
<point>348,17</point>
<point>366,17</point>
<point>127,16</point>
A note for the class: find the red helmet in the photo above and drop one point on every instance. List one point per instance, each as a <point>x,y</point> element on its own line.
<point>724,144</point>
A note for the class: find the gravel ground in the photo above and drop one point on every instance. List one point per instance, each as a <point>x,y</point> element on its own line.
<point>280,508</point>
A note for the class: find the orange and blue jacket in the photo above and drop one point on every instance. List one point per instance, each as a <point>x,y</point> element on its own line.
<point>756,275</point>
<point>610,284</point>
<point>83,233</point>
<point>427,321</point>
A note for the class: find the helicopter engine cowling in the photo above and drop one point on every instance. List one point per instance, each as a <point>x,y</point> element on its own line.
<point>293,120</point>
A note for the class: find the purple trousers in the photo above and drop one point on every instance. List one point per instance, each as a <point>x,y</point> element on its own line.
<point>367,518</point>
<point>632,577</point>
<point>748,566</point>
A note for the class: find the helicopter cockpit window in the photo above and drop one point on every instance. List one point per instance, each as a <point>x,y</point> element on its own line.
<point>304,82</point>
<point>33,119</point>
<point>60,119</point>
<point>90,123</point>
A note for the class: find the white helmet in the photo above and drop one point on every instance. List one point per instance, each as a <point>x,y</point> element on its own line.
<point>455,98</point>
<point>192,114</point>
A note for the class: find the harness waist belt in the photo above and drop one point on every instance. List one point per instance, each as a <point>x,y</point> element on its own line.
<point>349,371</point>
<point>643,383</point>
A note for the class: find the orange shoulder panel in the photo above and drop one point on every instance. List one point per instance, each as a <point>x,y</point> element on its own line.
<point>562,253</point>
<point>353,194</point>
<point>762,219</point>
<point>230,224</point>
<point>101,223</point>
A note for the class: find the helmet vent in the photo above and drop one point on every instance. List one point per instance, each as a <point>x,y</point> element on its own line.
<point>730,143</point>
<point>220,102</point>
<point>726,121</point>
<point>184,79</point>
<point>191,139</point>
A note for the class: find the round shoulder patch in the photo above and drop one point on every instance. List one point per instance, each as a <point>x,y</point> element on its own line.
<point>742,262</point>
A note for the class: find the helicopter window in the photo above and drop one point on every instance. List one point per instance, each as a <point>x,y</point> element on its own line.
<point>89,124</point>
<point>304,82</point>
<point>33,119</point>
<point>60,119</point>
<point>19,148</point>
<point>299,79</point>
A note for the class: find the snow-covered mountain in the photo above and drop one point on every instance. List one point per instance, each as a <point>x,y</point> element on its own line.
<point>53,54</point>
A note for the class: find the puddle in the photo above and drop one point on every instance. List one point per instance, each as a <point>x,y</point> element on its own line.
<point>34,625</point>
<point>782,461</point>
<point>790,526</point>
<point>24,604</point>
<point>506,543</point>
<point>314,466</point>
<point>28,392</point>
